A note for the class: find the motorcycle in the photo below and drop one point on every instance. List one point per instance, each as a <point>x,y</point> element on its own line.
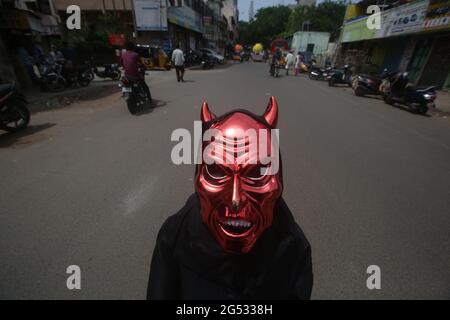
<point>81,74</point>
<point>109,71</point>
<point>416,99</point>
<point>274,70</point>
<point>56,76</point>
<point>14,114</point>
<point>134,94</point>
<point>51,77</point>
<point>319,73</point>
<point>364,84</point>
<point>340,76</point>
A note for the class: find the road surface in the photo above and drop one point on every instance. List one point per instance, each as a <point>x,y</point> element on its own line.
<point>90,185</point>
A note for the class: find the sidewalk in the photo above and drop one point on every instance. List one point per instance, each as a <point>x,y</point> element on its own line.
<point>443,101</point>
<point>41,101</point>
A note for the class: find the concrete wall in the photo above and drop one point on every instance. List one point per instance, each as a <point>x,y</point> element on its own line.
<point>300,41</point>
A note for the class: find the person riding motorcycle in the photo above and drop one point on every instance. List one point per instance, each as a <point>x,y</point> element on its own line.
<point>131,63</point>
<point>275,61</point>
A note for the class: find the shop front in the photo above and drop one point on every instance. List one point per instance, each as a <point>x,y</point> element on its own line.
<point>185,27</point>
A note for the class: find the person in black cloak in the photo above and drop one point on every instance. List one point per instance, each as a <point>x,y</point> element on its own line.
<point>235,238</point>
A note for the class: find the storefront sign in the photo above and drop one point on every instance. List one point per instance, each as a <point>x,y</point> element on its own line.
<point>116,39</point>
<point>185,17</point>
<point>404,19</point>
<point>438,15</point>
<point>151,15</point>
<point>357,30</point>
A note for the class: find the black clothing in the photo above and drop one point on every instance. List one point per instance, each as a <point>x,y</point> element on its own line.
<point>180,73</point>
<point>188,263</point>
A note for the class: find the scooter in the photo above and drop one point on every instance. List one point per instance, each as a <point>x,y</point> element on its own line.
<point>109,71</point>
<point>364,84</point>
<point>14,114</point>
<point>416,99</point>
<point>340,76</point>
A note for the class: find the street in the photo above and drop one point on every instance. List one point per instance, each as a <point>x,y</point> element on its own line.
<point>91,184</point>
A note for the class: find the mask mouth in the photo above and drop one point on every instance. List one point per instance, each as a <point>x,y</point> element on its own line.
<point>236,228</point>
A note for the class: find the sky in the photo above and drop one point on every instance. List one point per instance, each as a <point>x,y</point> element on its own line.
<point>244,5</point>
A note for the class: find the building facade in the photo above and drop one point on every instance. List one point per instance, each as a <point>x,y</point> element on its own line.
<point>24,24</point>
<point>412,36</point>
<point>191,24</point>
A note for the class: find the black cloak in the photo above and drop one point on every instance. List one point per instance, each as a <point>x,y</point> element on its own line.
<point>188,263</point>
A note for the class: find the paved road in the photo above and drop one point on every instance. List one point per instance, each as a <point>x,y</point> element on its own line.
<point>90,185</point>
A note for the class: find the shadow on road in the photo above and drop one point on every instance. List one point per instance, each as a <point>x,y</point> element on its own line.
<point>149,109</point>
<point>25,137</point>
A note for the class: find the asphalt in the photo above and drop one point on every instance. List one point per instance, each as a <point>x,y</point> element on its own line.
<point>90,185</point>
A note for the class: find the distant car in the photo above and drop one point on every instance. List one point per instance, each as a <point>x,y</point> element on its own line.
<point>217,57</point>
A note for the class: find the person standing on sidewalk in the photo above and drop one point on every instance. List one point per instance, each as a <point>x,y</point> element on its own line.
<point>178,62</point>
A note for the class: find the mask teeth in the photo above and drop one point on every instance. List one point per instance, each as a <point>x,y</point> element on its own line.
<point>238,223</point>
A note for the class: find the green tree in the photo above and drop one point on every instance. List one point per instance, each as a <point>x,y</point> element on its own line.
<point>326,17</point>
<point>268,23</point>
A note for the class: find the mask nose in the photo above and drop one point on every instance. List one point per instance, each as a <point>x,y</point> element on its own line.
<point>236,197</point>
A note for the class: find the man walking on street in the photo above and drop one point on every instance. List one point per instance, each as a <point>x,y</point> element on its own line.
<point>178,62</point>
<point>289,61</point>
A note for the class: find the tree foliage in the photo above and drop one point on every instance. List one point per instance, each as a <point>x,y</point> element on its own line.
<point>282,21</point>
<point>268,23</point>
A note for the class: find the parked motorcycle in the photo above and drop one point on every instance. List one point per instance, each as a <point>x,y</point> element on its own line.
<point>364,84</point>
<point>319,73</point>
<point>14,114</point>
<point>340,76</point>
<point>80,74</point>
<point>109,71</point>
<point>55,76</point>
<point>51,77</point>
<point>416,99</point>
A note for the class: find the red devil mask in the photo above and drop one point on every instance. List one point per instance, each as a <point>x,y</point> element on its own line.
<point>239,190</point>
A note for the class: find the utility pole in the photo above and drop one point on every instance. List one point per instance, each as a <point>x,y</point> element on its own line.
<point>251,12</point>
<point>133,13</point>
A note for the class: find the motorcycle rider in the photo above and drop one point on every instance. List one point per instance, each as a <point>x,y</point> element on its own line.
<point>275,61</point>
<point>131,61</point>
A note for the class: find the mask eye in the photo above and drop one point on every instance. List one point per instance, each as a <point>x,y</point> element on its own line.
<point>216,172</point>
<point>257,173</point>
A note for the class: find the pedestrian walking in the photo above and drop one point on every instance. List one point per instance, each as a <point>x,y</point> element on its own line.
<point>178,62</point>
<point>290,59</point>
<point>298,61</point>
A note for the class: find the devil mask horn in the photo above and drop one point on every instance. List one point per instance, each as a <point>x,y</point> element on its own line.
<point>206,114</point>
<point>271,114</point>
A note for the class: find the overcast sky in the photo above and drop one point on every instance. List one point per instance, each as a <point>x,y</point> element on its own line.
<point>244,5</point>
